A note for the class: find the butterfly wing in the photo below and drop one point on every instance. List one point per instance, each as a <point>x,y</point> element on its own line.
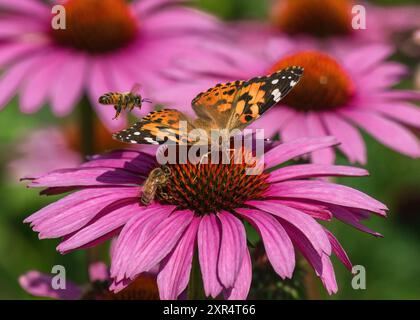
<point>259,94</point>
<point>215,104</point>
<point>157,128</point>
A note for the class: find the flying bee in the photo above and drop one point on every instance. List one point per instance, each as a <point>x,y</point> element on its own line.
<point>123,100</point>
<point>156,179</point>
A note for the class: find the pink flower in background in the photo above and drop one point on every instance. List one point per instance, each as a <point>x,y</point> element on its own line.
<point>343,87</point>
<point>333,19</point>
<point>283,205</point>
<point>40,285</point>
<point>108,45</point>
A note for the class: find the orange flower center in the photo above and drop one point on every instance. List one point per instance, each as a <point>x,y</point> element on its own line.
<point>96,26</point>
<point>318,18</point>
<point>209,188</point>
<point>324,85</point>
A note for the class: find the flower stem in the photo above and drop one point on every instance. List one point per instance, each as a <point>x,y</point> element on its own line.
<point>195,286</point>
<point>87,145</point>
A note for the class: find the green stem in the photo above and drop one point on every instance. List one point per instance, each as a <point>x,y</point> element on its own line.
<point>195,286</point>
<point>87,143</point>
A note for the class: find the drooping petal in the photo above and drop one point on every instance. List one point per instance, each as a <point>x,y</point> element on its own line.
<point>243,282</point>
<point>277,243</point>
<point>352,144</point>
<point>386,131</point>
<point>111,218</point>
<point>232,248</point>
<point>61,223</point>
<point>315,210</point>
<point>40,285</point>
<point>160,242</point>
<point>339,251</point>
<point>315,128</point>
<point>303,222</point>
<point>133,235</point>
<point>69,84</point>
<point>175,271</point>
<point>208,238</point>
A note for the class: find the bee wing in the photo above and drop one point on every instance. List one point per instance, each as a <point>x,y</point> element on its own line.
<point>135,89</point>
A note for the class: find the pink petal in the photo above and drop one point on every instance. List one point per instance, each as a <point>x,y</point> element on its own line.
<point>339,251</point>
<point>302,171</point>
<point>133,235</point>
<point>40,285</point>
<point>326,192</point>
<point>69,84</point>
<point>303,222</point>
<point>352,144</point>
<point>232,248</point>
<point>86,177</point>
<point>32,8</point>
<point>350,218</point>
<point>367,57</point>
<point>110,219</point>
<point>38,83</point>
<point>144,7</point>
<point>11,52</point>
<point>14,75</point>
<point>315,210</point>
<point>386,131</point>
<point>160,242</point>
<point>277,244</point>
<point>208,238</point>
<point>273,120</point>
<point>403,112</point>
<point>328,275</point>
<point>175,271</point>
<point>289,150</point>
<point>243,282</point>
<point>295,128</point>
<point>61,223</point>
<point>179,20</point>
<point>315,128</point>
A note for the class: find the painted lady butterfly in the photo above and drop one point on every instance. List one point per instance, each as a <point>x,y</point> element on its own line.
<point>232,105</point>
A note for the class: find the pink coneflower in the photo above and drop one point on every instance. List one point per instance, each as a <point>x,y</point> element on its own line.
<point>342,88</point>
<point>40,285</point>
<point>194,208</point>
<point>108,45</point>
<point>333,19</point>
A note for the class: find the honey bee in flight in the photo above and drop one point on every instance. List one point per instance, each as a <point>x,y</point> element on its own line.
<point>123,100</point>
<point>157,178</point>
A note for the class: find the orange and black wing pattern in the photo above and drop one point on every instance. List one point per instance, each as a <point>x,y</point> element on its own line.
<point>216,103</point>
<point>259,94</point>
<point>158,127</point>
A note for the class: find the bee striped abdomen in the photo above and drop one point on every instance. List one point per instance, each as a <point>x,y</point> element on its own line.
<point>110,98</point>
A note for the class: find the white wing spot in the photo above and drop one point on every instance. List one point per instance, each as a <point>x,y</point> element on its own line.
<point>150,140</point>
<point>133,141</point>
<point>292,83</point>
<point>275,81</point>
<point>137,133</point>
<point>276,95</point>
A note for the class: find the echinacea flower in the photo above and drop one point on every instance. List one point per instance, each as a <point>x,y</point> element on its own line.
<point>40,285</point>
<point>346,19</point>
<point>204,205</point>
<point>107,45</point>
<point>343,87</point>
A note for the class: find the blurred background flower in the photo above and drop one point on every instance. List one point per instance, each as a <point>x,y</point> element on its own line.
<point>107,45</point>
<point>40,285</point>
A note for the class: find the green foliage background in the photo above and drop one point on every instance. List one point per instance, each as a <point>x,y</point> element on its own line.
<point>392,263</point>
